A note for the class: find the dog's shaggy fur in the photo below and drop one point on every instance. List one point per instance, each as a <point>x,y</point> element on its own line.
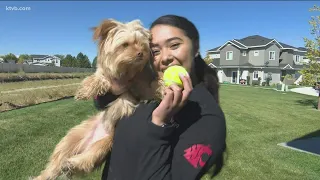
<point>123,52</point>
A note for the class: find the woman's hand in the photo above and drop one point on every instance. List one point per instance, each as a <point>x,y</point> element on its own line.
<point>174,99</point>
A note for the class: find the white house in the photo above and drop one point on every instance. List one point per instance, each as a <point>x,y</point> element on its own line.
<point>44,60</point>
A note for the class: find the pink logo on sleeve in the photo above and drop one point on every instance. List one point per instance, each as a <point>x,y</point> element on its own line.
<point>194,154</point>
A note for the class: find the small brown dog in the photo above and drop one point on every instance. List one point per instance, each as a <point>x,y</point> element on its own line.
<point>123,54</point>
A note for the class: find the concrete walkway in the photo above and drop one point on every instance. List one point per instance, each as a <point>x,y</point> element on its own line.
<point>306,90</point>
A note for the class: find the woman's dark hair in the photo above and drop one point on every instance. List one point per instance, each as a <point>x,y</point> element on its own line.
<point>204,73</point>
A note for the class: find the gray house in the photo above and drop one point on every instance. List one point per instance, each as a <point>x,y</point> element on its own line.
<point>256,56</point>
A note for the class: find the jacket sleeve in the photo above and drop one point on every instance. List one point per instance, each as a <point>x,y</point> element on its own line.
<point>100,102</point>
<point>156,150</point>
<point>202,139</point>
<point>141,148</point>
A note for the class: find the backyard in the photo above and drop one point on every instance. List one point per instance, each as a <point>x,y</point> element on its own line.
<point>257,120</point>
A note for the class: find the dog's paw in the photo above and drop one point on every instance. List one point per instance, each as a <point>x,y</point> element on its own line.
<point>67,168</point>
<point>37,178</point>
<point>32,178</point>
<point>80,164</point>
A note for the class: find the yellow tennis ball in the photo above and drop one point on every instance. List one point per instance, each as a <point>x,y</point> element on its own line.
<point>171,75</point>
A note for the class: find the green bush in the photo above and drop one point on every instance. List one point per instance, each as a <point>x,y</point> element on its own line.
<point>248,80</point>
<point>269,78</point>
<point>255,82</point>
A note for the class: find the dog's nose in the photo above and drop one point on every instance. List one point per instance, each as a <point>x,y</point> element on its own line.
<point>140,54</point>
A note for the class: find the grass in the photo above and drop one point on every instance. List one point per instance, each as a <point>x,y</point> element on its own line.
<point>257,120</point>
<point>17,94</point>
<point>21,76</point>
<point>35,84</point>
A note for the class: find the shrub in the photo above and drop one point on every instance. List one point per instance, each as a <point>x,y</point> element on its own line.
<point>248,80</point>
<point>269,78</point>
<point>263,83</point>
<point>255,83</point>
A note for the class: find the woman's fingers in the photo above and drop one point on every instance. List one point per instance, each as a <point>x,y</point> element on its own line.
<point>186,80</point>
<point>177,95</point>
<point>167,99</point>
<point>187,87</point>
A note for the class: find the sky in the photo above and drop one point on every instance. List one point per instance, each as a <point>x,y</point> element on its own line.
<point>58,27</point>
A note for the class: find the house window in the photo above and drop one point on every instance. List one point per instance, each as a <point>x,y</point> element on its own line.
<point>297,58</point>
<point>255,75</point>
<point>256,53</point>
<point>272,55</point>
<point>244,53</point>
<point>229,55</point>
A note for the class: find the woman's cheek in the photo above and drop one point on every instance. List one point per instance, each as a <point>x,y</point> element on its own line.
<point>156,64</point>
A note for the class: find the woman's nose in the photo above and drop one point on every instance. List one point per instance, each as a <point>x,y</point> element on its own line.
<point>167,59</point>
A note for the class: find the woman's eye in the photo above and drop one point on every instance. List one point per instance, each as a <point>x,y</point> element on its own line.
<point>155,52</point>
<point>174,46</point>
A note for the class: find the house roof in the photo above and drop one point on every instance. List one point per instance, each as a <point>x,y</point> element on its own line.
<point>238,44</point>
<point>256,40</point>
<point>214,49</point>
<point>246,64</point>
<point>216,61</point>
<point>286,45</point>
<point>38,56</point>
<point>302,49</point>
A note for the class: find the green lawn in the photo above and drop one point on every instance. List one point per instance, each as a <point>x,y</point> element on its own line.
<point>257,119</point>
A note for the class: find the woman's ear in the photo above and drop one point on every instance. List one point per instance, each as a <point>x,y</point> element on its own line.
<point>196,48</point>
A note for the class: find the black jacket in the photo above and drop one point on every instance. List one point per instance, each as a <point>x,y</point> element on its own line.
<point>143,150</point>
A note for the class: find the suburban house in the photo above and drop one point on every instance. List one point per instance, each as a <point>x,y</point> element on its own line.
<point>43,60</point>
<point>257,57</point>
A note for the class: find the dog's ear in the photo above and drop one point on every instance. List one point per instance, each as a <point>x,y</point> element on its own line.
<point>102,31</point>
<point>92,86</point>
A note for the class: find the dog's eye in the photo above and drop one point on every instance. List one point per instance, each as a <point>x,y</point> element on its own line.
<point>125,45</point>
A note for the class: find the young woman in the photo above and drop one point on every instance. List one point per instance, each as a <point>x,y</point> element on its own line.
<point>183,136</point>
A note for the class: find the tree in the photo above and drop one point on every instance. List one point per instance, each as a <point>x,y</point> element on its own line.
<point>80,59</point>
<point>86,63</point>
<point>10,56</point>
<point>311,71</point>
<point>23,57</point>
<point>208,59</point>
<point>68,61</point>
<point>94,62</point>
<point>83,61</point>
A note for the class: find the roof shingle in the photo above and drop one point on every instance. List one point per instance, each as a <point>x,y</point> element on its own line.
<point>254,40</point>
<point>257,40</point>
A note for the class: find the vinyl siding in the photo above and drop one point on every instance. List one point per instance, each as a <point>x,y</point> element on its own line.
<point>236,55</point>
